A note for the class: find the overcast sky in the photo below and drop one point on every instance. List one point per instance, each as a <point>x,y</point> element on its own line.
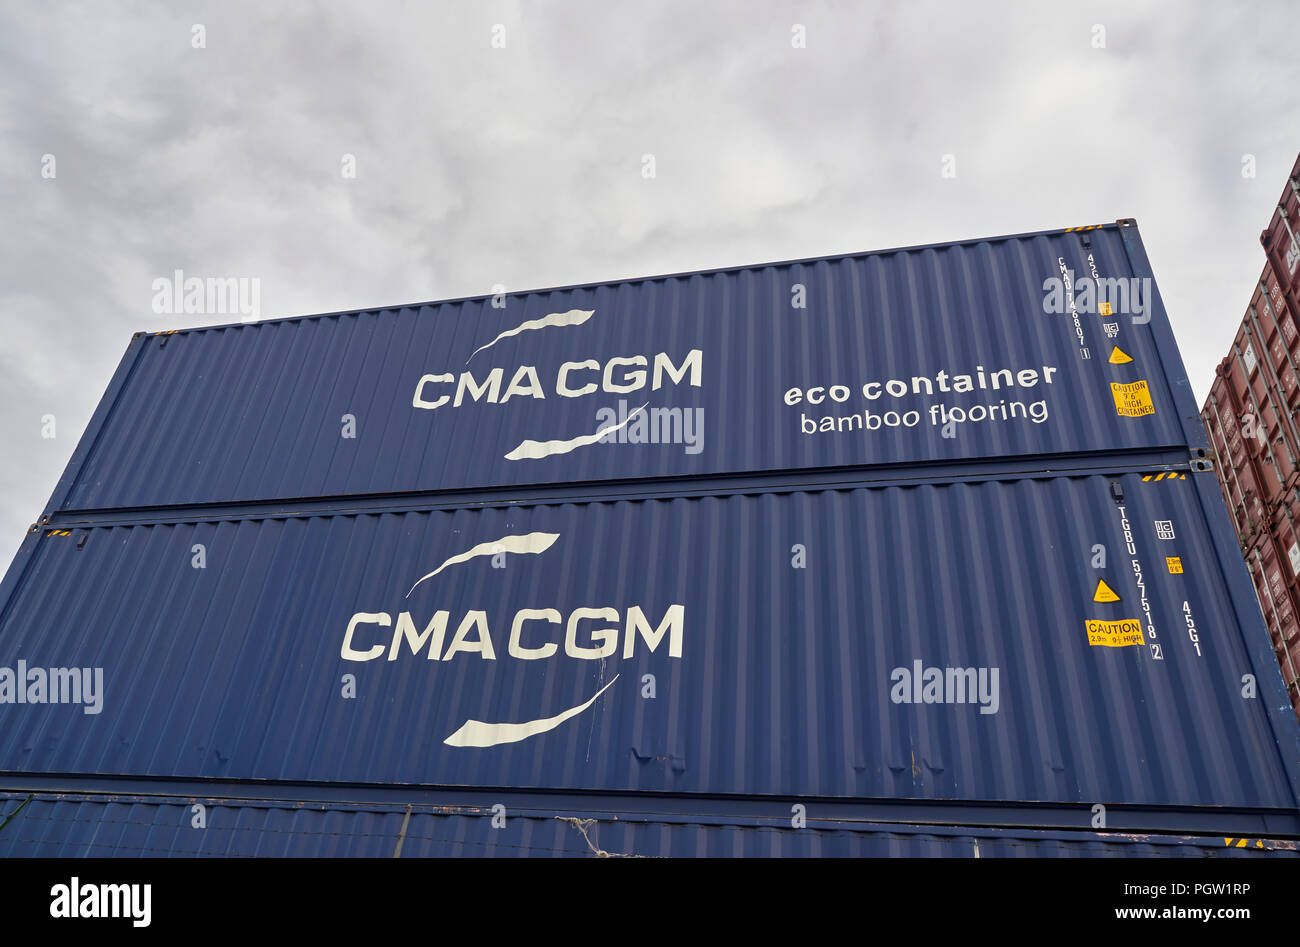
<point>521,165</point>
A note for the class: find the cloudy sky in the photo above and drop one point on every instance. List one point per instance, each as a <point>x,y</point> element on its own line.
<point>480,161</point>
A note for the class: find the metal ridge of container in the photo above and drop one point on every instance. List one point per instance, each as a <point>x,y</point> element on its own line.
<point>87,826</point>
<point>648,488</point>
<point>739,268</point>
<point>951,814</point>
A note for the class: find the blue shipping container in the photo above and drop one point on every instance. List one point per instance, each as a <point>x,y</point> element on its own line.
<point>983,641</point>
<point>287,573</point>
<point>934,354</point>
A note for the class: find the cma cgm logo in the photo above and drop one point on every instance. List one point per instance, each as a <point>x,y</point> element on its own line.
<point>575,379</point>
<point>589,633</point>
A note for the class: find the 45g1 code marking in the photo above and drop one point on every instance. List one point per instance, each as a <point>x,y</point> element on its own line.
<point>1191,628</point>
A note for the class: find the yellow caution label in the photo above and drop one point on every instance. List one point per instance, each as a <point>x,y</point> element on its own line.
<point>1175,565</point>
<point>1119,357</point>
<point>1105,309</point>
<point>1104,593</point>
<point>1133,400</point>
<point>1114,634</point>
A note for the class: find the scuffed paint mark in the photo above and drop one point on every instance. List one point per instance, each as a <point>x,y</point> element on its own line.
<point>401,836</point>
<point>535,450</point>
<point>582,825</point>
<point>574,317</point>
<point>527,543</point>
<point>480,734</point>
<point>13,815</point>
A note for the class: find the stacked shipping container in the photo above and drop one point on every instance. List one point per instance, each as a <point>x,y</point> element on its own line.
<point>914,552</point>
<point>1250,416</point>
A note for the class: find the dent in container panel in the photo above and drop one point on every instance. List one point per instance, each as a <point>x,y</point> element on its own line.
<point>959,641</point>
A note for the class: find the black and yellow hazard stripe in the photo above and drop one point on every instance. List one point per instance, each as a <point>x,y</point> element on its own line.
<point>1243,843</point>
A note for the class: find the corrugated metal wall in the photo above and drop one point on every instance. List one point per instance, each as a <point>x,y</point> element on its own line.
<point>274,603</point>
<point>797,609</point>
<point>256,412</point>
<point>1250,416</point>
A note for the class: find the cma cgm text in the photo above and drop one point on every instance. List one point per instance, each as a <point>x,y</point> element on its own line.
<point>619,375</point>
<point>531,636</point>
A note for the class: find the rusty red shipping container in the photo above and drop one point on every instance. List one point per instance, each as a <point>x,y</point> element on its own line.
<point>1234,435</point>
<point>1273,572</point>
<point>1281,239</point>
<point>1250,417</point>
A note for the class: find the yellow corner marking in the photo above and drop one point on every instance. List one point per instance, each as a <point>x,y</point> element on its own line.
<point>1114,634</point>
<point>1242,843</point>
<point>1175,564</point>
<point>1132,400</point>
<point>1117,355</point>
<point>1104,593</point>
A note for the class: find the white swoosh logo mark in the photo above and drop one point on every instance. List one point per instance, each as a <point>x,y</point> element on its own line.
<point>478,733</point>
<point>574,317</point>
<point>526,543</point>
<point>535,450</point>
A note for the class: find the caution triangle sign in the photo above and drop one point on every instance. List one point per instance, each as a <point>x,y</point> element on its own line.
<point>1104,593</point>
<point>1119,357</point>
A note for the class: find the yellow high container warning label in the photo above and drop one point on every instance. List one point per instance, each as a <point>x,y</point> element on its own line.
<point>1175,565</point>
<point>1114,634</point>
<point>1104,593</point>
<point>1105,309</point>
<point>1132,401</point>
